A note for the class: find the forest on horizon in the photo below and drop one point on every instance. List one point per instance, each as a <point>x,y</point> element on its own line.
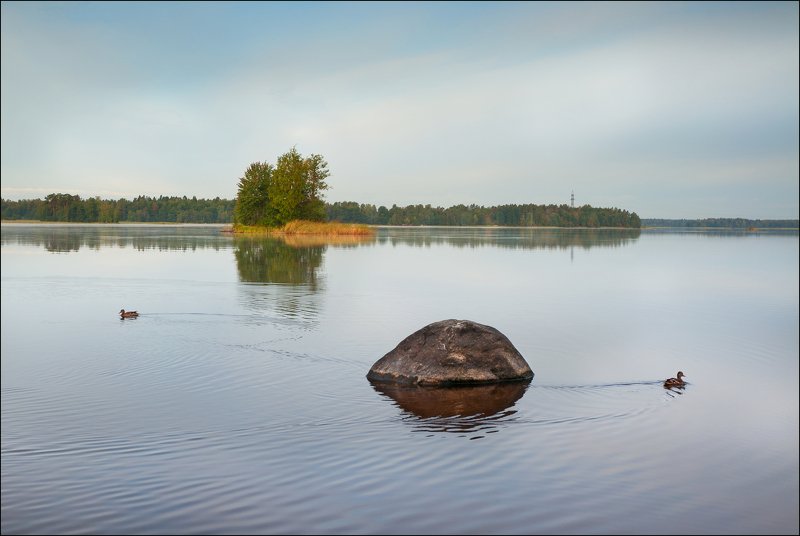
<point>174,209</point>
<point>72,208</point>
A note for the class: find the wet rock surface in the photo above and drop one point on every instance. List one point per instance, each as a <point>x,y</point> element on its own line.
<point>452,352</point>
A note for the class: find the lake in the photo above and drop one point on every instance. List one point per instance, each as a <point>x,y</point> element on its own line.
<point>237,402</point>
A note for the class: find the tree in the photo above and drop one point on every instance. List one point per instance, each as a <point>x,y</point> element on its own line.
<point>296,189</point>
<point>292,190</point>
<point>252,202</point>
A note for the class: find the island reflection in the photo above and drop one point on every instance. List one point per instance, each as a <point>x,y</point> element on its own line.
<point>284,273</point>
<point>272,260</point>
<point>66,238</point>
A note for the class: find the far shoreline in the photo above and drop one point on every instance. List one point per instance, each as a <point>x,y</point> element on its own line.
<point>266,230</point>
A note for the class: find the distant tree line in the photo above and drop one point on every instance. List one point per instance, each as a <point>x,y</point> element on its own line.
<point>728,223</point>
<point>71,208</point>
<point>528,215</point>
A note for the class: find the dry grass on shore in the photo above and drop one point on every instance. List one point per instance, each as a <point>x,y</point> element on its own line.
<point>304,227</point>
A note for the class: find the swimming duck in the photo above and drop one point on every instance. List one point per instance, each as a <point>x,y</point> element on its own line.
<point>127,314</point>
<point>675,382</point>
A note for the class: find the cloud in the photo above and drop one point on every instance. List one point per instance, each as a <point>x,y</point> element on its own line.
<point>632,105</point>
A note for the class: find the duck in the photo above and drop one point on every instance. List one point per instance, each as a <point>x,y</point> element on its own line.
<point>675,382</point>
<point>127,314</point>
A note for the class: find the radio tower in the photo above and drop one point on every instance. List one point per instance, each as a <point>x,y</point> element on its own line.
<point>572,199</point>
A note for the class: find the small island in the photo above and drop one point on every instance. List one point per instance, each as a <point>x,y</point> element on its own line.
<point>306,227</point>
<point>286,199</point>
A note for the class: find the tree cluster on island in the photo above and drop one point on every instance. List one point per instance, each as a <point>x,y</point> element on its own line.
<point>272,196</point>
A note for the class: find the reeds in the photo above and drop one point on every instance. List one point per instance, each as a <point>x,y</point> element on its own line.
<point>305,227</point>
<point>326,228</point>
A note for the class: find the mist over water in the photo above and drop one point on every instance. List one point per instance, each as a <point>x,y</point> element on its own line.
<point>237,402</point>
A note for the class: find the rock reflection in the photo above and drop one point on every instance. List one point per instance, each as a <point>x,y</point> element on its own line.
<point>463,409</point>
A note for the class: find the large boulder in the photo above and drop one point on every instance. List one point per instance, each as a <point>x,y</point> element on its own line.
<point>452,352</point>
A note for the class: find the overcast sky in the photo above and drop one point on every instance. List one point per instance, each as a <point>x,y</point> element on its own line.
<point>671,110</point>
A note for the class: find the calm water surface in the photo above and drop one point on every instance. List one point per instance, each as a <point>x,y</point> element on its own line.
<point>238,403</point>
